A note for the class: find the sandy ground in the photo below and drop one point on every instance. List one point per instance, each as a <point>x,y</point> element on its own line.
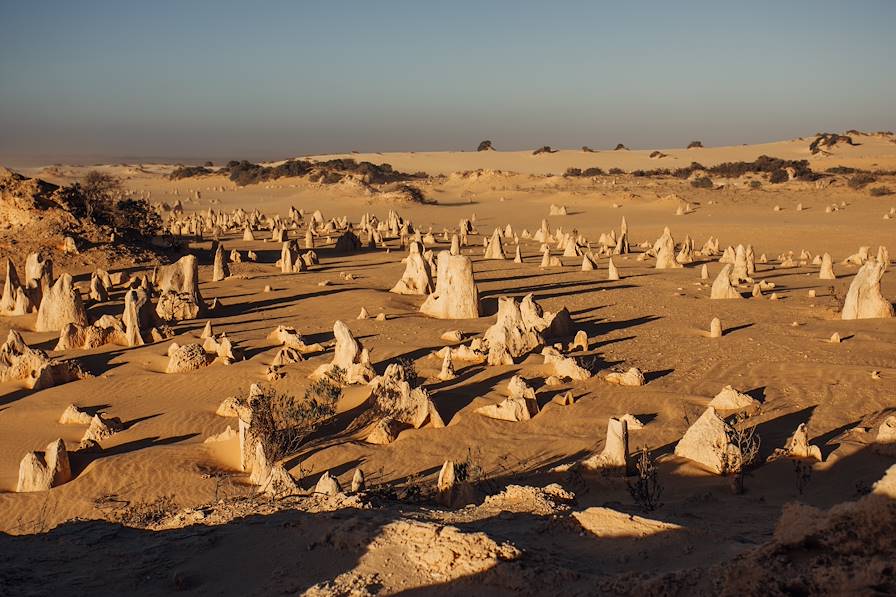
<point>655,320</point>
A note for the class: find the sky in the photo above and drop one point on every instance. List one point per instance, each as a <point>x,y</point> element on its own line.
<point>195,80</point>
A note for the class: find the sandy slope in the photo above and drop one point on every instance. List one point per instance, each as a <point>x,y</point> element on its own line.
<point>650,319</point>
<point>871,150</point>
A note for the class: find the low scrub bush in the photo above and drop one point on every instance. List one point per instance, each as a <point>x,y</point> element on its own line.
<point>778,176</point>
<point>861,180</point>
<point>823,140</point>
<point>842,170</point>
<point>135,220</point>
<point>282,424</point>
<point>646,489</point>
<point>244,173</point>
<point>190,171</point>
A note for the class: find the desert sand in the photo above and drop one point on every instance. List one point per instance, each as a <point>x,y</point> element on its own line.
<point>162,502</point>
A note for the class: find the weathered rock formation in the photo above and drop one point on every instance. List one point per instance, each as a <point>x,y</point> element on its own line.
<point>40,472</point>
<point>61,304</point>
<point>19,362</point>
<point>864,299</point>
<point>456,295</point>
<point>349,357</point>
<point>722,287</point>
<point>393,400</point>
<point>614,456</point>
<point>178,285</point>
<point>707,442</point>
<point>417,276</point>
<point>520,405</point>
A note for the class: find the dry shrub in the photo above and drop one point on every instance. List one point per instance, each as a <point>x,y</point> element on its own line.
<point>646,488</point>
<point>745,440</point>
<point>137,514</point>
<point>702,182</point>
<point>861,180</point>
<point>778,176</point>
<point>282,424</point>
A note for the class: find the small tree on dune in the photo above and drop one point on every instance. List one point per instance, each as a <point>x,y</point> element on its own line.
<point>98,193</point>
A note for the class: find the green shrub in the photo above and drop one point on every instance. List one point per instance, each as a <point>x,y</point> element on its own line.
<point>702,182</point>
<point>879,191</point>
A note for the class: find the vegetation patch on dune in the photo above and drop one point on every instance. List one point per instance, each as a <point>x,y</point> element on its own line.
<point>328,172</point>
<point>824,141</point>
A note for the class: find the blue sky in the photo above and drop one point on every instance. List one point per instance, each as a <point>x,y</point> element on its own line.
<point>197,80</point>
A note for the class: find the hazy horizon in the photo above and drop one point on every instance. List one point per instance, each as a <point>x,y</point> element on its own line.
<point>100,81</point>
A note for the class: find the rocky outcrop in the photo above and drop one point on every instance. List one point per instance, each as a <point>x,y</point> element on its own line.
<point>19,362</point>
<point>521,327</point>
